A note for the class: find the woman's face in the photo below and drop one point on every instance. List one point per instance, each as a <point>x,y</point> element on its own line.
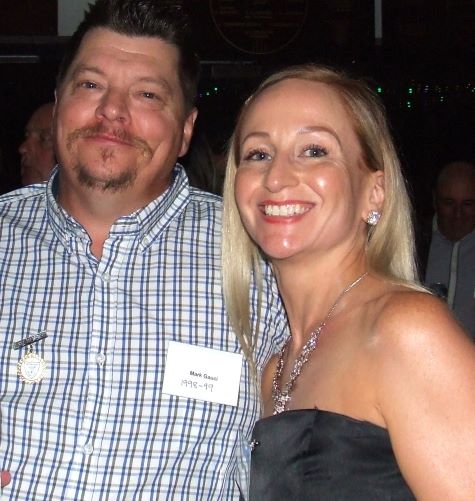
<point>301,185</point>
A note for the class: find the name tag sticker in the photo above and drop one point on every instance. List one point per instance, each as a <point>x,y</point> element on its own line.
<point>202,373</point>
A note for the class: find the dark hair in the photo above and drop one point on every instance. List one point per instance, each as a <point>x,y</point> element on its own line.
<point>200,164</point>
<point>147,18</point>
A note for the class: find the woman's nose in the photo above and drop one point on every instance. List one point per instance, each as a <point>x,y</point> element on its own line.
<point>280,174</point>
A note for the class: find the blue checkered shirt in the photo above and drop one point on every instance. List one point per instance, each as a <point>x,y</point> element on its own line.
<point>98,426</point>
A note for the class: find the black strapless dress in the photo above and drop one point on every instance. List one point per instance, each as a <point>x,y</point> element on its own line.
<point>319,455</point>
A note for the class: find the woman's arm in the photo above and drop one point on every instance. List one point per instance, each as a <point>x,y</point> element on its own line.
<point>426,391</point>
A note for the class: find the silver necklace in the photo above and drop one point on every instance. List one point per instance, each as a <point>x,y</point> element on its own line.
<point>282,397</point>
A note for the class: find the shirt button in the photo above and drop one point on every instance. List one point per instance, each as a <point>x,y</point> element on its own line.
<point>106,277</point>
<point>88,449</point>
<point>100,359</point>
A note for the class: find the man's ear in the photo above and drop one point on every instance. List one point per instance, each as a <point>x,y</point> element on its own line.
<point>188,131</point>
<point>434,200</point>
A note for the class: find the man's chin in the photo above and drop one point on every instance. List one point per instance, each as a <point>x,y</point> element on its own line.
<point>110,183</point>
<point>455,236</point>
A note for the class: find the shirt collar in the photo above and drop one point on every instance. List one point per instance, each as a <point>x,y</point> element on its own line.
<point>146,223</point>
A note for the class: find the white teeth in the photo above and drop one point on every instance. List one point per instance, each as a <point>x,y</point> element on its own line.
<point>284,210</point>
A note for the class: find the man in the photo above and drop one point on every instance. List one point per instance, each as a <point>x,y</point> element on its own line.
<point>36,150</point>
<point>121,377</point>
<point>451,261</point>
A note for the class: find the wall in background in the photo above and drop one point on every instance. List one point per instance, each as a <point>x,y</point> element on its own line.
<point>423,69</point>
<point>40,17</point>
<point>70,13</point>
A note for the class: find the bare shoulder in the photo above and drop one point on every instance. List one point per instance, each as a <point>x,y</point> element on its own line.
<point>424,380</point>
<point>411,319</point>
<point>417,347</point>
<point>417,342</point>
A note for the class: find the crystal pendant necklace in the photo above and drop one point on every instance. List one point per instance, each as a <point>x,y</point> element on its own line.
<point>282,397</point>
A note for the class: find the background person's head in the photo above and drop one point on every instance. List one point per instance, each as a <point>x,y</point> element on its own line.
<point>454,200</point>
<point>36,150</point>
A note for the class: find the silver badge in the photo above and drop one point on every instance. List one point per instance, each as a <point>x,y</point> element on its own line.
<point>31,368</point>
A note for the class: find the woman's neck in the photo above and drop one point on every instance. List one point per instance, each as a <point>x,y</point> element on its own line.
<point>310,291</point>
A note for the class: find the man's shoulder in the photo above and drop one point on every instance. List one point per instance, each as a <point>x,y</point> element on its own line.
<point>22,195</point>
<point>204,197</point>
<point>468,241</point>
<point>207,205</point>
<point>22,207</point>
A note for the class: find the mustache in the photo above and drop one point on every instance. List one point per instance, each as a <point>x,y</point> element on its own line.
<point>118,133</point>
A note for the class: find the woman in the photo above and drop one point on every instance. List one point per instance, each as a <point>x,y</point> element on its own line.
<point>373,395</point>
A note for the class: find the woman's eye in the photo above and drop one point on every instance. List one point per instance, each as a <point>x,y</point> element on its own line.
<point>256,156</point>
<point>314,151</point>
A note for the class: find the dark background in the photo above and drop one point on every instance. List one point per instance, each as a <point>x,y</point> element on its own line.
<point>423,68</point>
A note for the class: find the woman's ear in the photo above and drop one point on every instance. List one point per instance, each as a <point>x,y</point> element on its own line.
<point>376,194</point>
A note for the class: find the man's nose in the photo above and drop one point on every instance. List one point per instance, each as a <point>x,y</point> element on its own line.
<point>458,210</point>
<point>24,146</point>
<point>114,106</point>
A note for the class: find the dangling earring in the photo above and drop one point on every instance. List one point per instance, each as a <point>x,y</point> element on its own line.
<point>373,217</point>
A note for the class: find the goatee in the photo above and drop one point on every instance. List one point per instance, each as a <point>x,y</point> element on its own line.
<point>121,182</point>
<point>117,182</point>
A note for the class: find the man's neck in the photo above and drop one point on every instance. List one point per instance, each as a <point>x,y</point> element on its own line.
<point>97,210</point>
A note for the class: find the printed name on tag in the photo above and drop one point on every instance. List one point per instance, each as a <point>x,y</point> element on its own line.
<point>202,373</point>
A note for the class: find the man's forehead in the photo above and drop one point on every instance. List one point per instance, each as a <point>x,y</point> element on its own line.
<point>39,125</point>
<point>138,58</point>
<point>460,187</point>
<point>102,39</point>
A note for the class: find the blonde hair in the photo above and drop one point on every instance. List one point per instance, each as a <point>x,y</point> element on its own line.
<point>390,244</point>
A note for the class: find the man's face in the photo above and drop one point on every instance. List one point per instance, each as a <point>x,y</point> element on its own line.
<point>36,150</point>
<point>455,206</point>
<point>120,120</point>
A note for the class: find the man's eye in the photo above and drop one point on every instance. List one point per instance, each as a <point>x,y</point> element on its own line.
<point>87,85</point>
<point>447,202</point>
<point>45,138</point>
<point>150,95</point>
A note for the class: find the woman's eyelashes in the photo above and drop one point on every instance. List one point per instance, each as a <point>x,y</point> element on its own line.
<point>314,151</point>
<point>256,155</point>
<point>310,150</point>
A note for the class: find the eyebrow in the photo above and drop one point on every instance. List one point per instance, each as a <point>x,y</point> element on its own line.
<point>162,82</point>
<point>84,69</point>
<point>304,130</point>
<point>320,128</point>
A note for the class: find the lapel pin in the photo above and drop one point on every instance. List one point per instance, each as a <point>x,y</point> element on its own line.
<point>31,368</point>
